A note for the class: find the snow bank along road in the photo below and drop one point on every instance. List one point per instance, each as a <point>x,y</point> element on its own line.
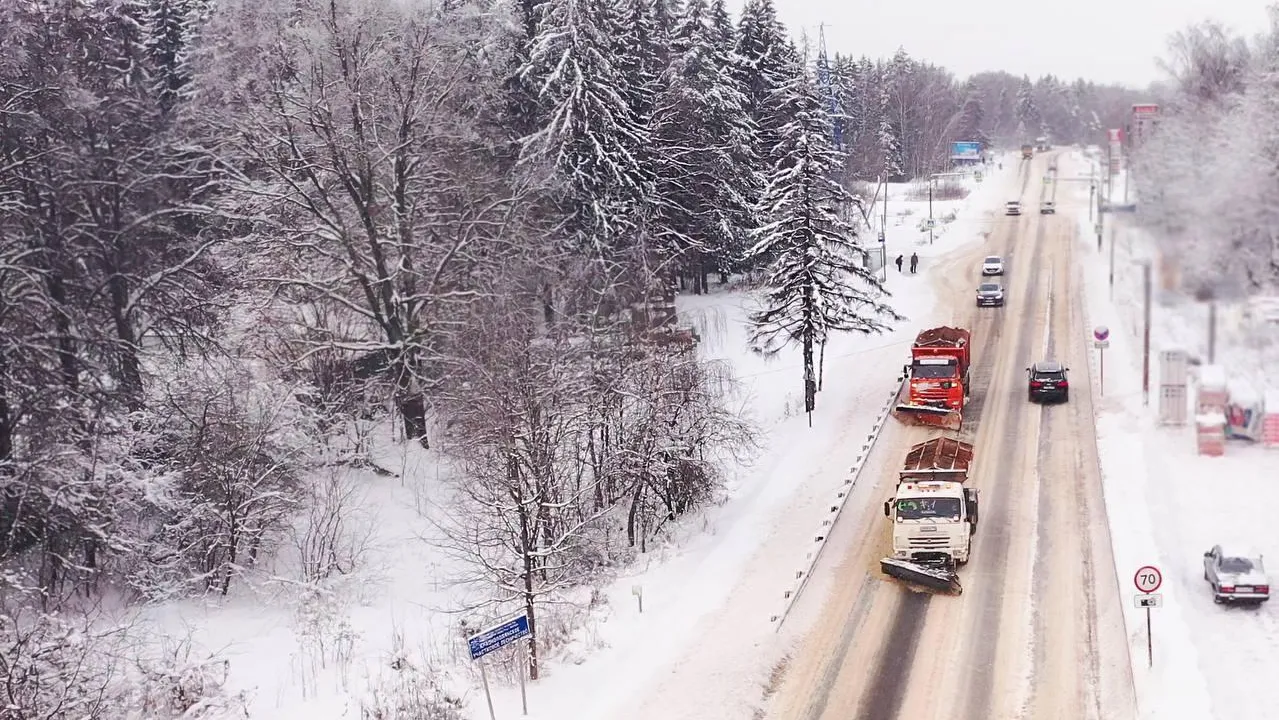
<point>1038,631</point>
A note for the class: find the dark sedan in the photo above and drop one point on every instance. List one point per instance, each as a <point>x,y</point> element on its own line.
<point>1048,381</point>
<point>990,294</point>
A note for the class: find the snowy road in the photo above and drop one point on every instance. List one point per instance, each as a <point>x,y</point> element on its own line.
<point>1038,631</point>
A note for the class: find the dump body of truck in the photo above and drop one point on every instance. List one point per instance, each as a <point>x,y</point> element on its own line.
<point>936,388</point>
<point>933,516</point>
<point>1027,152</point>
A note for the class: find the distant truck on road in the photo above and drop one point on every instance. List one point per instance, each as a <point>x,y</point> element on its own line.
<point>933,516</point>
<point>1027,152</point>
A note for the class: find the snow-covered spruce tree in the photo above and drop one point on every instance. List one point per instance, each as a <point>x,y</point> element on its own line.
<point>889,134</point>
<point>864,105</point>
<point>817,281</point>
<point>970,124</point>
<point>588,142</point>
<point>1028,118</point>
<point>763,57</point>
<point>702,157</point>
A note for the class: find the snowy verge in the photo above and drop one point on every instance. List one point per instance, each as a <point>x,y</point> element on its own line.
<point>1173,686</point>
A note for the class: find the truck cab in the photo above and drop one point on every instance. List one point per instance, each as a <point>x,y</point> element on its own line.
<point>933,521</point>
<point>937,381</point>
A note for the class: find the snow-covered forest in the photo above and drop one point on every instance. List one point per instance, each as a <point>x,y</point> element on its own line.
<point>900,114</point>
<point>1207,179</point>
<point>245,244</point>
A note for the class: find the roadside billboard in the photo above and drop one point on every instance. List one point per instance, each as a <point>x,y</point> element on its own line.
<point>1145,116</point>
<point>967,150</point>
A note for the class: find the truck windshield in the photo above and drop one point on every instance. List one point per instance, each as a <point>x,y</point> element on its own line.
<point>920,508</point>
<point>933,372</point>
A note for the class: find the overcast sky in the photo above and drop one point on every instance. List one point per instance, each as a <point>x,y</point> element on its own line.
<point>1102,40</point>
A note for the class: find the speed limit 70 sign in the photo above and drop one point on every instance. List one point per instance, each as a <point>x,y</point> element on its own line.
<point>1148,579</point>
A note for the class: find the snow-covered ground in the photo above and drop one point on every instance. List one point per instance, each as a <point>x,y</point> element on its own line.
<point>704,641</point>
<point>1168,505</point>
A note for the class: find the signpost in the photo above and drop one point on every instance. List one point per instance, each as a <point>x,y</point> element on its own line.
<point>1101,341</point>
<point>493,639</point>
<point>1148,579</point>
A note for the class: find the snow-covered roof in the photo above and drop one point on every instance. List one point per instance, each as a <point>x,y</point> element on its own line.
<point>1212,376</point>
<point>1239,550</point>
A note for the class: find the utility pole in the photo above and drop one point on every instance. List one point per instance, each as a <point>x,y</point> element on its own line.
<point>931,180</point>
<point>1112,263</point>
<point>1127,160</point>
<point>1145,341</point>
<point>1212,331</point>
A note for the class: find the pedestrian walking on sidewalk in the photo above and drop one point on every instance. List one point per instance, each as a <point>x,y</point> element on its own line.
<point>899,263</point>
<point>914,262</point>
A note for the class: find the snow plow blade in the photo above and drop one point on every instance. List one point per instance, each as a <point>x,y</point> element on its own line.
<point>928,415</point>
<point>924,577</point>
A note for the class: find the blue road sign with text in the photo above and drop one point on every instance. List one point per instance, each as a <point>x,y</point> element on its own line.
<point>497,637</point>
<point>965,151</point>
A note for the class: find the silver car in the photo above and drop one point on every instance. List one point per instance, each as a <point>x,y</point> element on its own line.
<point>1236,577</point>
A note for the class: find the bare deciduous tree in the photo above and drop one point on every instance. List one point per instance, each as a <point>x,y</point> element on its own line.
<point>371,191</point>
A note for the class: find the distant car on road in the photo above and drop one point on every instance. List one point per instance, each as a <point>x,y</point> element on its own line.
<point>1236,577</point>
<point>1048,207</point>
<point>1048,381</point>
<point>992,265</point>
<point>990,294</point>
<point>1012,207</point>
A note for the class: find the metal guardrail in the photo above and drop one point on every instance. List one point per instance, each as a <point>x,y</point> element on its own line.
<point>791,596</point>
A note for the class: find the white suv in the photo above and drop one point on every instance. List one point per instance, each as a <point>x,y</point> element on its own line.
<point>992,265</point>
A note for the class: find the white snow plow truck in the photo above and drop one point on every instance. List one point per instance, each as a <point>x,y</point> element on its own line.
<point>933,516</point>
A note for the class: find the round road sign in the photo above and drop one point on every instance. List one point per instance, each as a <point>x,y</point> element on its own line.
<point>1101,333</point>
<point>1148,579</point>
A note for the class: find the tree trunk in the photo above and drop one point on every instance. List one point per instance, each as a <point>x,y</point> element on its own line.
<point>413,412</point>
<point>127,350</point>
<point>821,366</point>
<point>67,360</point>
<point>6,421</point>
<point>633,513</point>
<point>810,382</point>
<point>528,560</point>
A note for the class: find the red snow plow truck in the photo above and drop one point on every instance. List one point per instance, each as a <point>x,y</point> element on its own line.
<point>936,387</point>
